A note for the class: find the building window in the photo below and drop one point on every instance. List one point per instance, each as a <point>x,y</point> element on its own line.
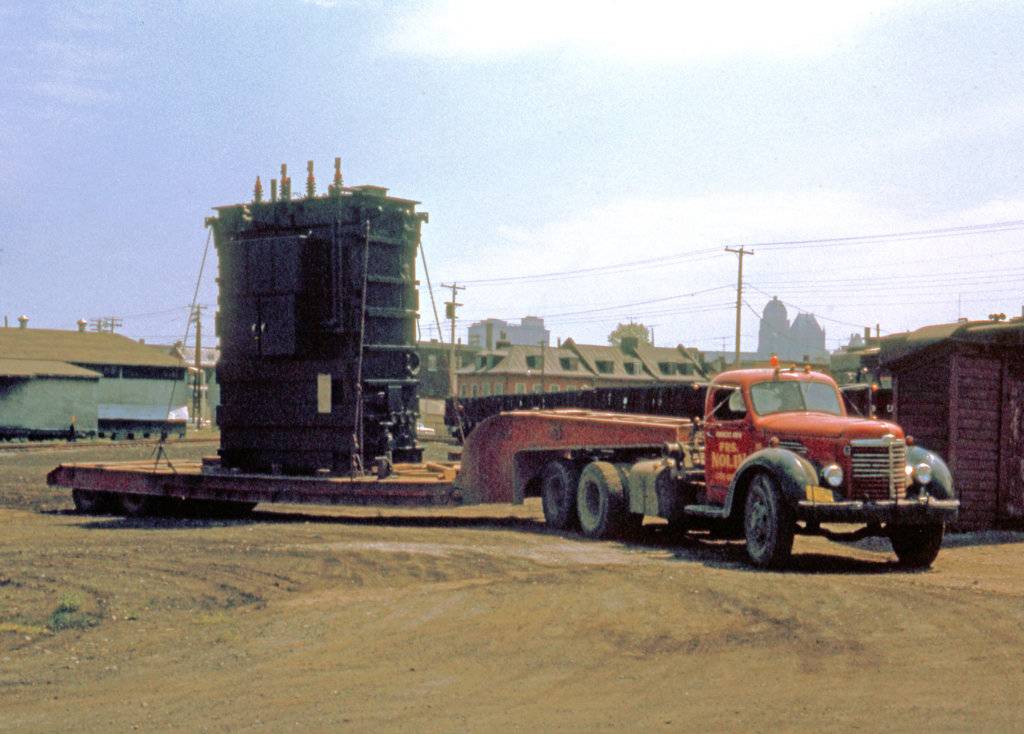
<point>630,368</point>
<point>520,388</point>
<point>462,391</point>
<point>534,362</point>
<point>667,368</point>
<point>431,363</point>
<point>552,388</point>
<point>567,363</point>
<point>605,367</point>
<point>475,390</point>
<point>498,388</point>
<point>486,388</point>
<point>107,370</point>
<point>537,388</point>
<point>152,373</point>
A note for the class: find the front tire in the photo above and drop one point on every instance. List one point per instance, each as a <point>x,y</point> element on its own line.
<point>558,483</point>
<point>768,523</point>
<point>917,546</point>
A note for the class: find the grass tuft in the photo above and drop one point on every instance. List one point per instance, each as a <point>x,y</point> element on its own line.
<point>68,615</point>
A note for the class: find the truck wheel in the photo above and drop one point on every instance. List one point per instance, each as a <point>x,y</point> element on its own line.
<point>601,503</point>
<point>916,546</point>
<point>558,483</point>
<point>88,502</point>
<point>767,523</point>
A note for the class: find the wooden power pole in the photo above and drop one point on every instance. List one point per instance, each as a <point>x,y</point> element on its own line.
<point>449,312</point>
<point>199,382</point>
<point>739,298</point>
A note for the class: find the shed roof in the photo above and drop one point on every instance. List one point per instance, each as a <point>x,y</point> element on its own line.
<point>81,347</point>
<point>27,368</point>
<point>897,347</point>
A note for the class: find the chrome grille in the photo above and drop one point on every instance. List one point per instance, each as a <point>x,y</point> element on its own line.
<point>878,468</point>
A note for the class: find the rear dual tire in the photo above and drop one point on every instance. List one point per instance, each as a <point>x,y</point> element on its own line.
<point>558,483</point>
<point>602,502</point>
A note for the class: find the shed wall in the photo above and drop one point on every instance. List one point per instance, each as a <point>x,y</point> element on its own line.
<point>47,404</point>
<point>1011,494</point>
<point>922,403</point>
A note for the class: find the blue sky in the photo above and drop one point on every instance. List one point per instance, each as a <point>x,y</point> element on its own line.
<point>542,138</point>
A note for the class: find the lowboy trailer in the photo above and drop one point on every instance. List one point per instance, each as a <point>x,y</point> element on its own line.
<point>775,456</point>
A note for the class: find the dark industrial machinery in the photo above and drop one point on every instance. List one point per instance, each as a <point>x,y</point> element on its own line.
<point>317,326</point>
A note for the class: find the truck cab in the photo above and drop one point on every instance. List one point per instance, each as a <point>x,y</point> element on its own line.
<point>782,454</point>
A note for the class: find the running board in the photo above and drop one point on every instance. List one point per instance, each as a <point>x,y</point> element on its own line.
<point>710,511</point>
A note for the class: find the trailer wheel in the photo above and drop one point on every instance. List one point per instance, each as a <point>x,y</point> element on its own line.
<point>558,482</point>
<point>601,503</point>
<point>88,502</point>
<point>768,523</point>
<point>141,505</point>
<point>916,546</point>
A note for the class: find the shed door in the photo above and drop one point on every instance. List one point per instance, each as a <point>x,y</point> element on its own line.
<point>974,439</point>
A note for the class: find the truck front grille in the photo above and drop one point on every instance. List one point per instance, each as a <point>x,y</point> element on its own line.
<point>878,468</point>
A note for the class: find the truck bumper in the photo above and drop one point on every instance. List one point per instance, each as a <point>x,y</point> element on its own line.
<point>890,512</point>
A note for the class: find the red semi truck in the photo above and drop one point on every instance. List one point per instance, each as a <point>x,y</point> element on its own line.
<point>776,455</point>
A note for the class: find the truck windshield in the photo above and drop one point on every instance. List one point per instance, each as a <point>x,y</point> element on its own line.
<point>788,396</point>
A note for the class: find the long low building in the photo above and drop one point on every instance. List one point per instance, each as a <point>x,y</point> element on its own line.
<point>52,380</point>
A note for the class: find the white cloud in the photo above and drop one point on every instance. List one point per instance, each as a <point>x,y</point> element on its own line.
<point>652,30</point>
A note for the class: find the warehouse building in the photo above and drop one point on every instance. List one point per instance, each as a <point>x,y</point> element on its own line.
<point>103,384</point>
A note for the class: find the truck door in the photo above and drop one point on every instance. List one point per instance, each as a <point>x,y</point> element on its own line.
<point>727,439</point>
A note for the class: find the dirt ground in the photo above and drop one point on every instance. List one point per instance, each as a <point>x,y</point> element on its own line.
<point>478,619</point>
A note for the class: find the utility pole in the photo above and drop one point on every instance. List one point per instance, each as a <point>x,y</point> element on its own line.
<point>739,297</point>
<point>449,312</point>
<point>543,365</point>
<point>199,382</point>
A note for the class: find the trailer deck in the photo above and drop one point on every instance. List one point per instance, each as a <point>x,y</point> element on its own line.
<point>427,484</point>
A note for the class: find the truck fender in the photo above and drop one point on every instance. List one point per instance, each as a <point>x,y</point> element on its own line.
<point>941,486</point>
<point>651,486</point>
<point>791,470</point>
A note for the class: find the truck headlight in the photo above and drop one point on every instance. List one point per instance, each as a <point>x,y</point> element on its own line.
<point>922,473</point>
<point>833,475</point>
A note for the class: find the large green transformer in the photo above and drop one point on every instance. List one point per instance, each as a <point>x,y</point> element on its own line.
<point>317,324</point>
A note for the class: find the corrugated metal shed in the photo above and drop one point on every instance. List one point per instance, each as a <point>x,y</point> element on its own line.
<point>959,390</point>
<point>81,348</point>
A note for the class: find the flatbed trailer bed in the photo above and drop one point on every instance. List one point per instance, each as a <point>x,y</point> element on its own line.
<point>427,484</point>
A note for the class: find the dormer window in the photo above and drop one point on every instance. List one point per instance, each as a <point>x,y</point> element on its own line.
<point>630,367</point>
<point>605,367</point>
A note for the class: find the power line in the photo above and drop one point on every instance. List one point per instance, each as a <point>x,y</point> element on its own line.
<point>969,229</point>
<point>598,269</point>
